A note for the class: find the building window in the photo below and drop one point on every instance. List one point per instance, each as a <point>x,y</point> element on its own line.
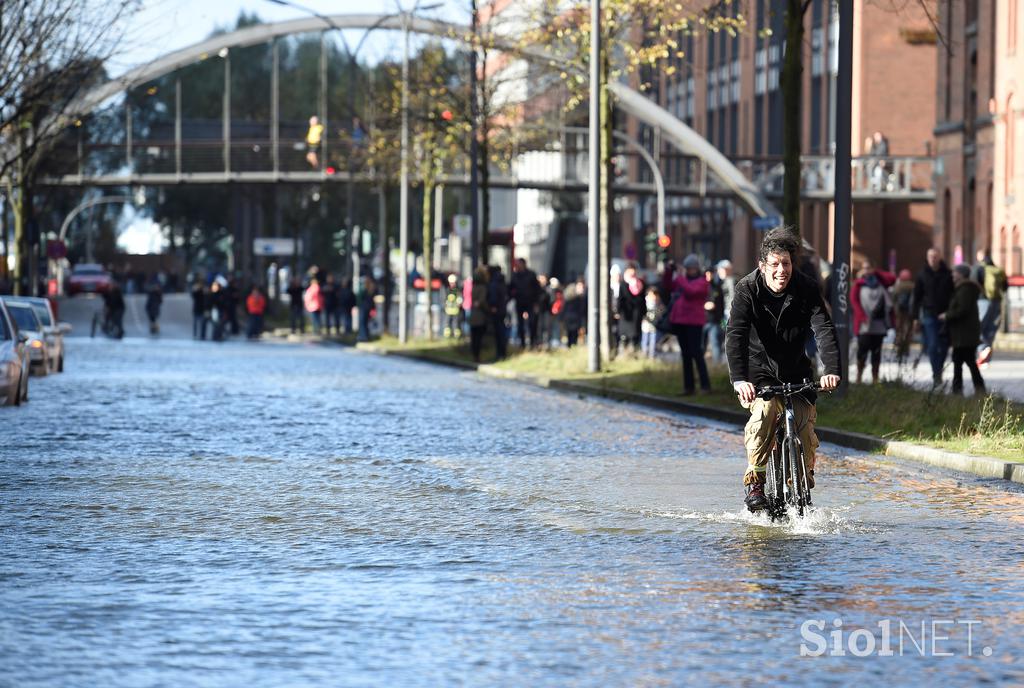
<point>690,91</point>
<point>735,85</point>
<point>760,72</point>
<point>1018,253</point>
<point>817,53</point>
<point>1010,145</point>
<point>1011,28</point>
<point>1003,248</point>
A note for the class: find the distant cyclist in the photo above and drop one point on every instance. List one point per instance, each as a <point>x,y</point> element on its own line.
<point>774,309</point>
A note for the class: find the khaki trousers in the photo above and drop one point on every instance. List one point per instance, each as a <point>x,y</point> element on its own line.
<point>759,434</point>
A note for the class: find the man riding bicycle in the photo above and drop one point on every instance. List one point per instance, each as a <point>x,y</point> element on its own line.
<point>774,310</point>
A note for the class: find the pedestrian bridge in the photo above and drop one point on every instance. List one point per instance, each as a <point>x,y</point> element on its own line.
<point>183,151</point>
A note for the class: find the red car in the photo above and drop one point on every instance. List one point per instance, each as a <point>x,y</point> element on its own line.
<point>88,278</point>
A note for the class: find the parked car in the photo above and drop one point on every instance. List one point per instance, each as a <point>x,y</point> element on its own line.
<point>53,331</point>
<point>28,324</point>
<point>88,278</point>
<point>14,361</point>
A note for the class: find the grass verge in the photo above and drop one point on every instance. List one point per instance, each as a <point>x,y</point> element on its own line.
<point>892,410</point>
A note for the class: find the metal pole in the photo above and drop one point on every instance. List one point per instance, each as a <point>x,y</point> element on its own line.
<point>226,113</point>
<point>177,127</point>
<point>275,108</point>
<point>593,297</point>
<point>841,242</point>
<point>385,255</point>
<point>323,101</point>
<point>128,133</point>
<point>403,203</point>
<point>474,153</point>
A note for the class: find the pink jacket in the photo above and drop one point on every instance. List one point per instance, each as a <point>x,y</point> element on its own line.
<point>313,298</point>
<point>689,306</point>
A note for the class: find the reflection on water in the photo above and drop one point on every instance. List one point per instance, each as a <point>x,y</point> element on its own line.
<point>177,513</point>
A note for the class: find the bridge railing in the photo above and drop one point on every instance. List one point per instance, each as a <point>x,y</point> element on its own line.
<point>530,159</point>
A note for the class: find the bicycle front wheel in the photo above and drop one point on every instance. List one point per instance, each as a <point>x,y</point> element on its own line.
<point>799,493</point>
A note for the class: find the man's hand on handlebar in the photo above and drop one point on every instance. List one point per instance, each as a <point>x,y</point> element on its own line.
<point>829,382</point>
<point>745,391</point>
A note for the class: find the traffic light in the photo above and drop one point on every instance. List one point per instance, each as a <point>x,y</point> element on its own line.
<point>341,241</point>
<point>446,115</point>
<point>664,241</point>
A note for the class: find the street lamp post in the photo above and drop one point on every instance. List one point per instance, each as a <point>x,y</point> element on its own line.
<point>403,198</point>
<point>403,202</point>
<point>593,301</point>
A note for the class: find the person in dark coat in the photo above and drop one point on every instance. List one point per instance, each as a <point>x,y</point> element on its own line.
<point>525,289</point>
<point>774,309</point>
<point>296,310</point>
<point>964,327</point>
<point>199,310</point>
<point>497,300</point>
<point>932,291</point>
<point>330,292</point>
<point>632,305</point>
<point>575,311</point>
<point>154,299</point>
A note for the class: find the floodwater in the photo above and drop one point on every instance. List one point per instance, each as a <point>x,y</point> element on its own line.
<point>180,513</point>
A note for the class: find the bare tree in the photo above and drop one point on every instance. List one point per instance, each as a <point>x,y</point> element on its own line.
<point>50,51</point>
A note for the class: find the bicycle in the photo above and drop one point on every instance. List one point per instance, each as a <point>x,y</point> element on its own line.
<point>786,483</point>
<point>104,322</point>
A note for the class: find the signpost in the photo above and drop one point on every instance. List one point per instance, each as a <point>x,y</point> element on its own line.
<point>767,222</point>
<point>276,246</point>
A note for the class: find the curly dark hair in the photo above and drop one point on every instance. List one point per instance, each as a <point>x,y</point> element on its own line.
<point>779,240</point>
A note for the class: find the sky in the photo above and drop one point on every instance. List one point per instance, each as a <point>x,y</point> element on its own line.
<point>166,25</point>
<point>162,26</point>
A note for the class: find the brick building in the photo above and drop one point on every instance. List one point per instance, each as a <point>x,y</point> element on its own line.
<point>728,89</point>
<point>1006,193</point>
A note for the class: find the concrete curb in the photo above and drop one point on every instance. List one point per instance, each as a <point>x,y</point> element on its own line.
<point>985,466</point>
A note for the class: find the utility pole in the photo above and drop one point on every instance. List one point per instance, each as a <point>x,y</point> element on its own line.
<point>474,152</point>
<point>841,243</point>
<point>403,202</point>
<point>593,233</point>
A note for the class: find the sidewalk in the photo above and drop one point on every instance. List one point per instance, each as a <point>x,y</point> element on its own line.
<point>984,466</point>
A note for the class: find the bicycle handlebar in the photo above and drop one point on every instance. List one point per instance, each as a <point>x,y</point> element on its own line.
<point>788,389</point>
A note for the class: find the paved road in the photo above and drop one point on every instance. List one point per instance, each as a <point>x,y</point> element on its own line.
<point>175,317</point>
<point>190,513</point>
<point>1004,375</point>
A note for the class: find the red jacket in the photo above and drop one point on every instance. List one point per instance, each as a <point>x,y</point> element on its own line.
<point>689,306</point>
<point>256,303</point>
<point>859,316</point>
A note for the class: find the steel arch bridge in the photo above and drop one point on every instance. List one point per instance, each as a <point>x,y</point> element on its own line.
<point>703,170</point>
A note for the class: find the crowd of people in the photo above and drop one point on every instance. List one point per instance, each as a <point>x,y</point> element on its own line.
<point>956,310</point>
<point>952,310</point>
<point>326,303</point>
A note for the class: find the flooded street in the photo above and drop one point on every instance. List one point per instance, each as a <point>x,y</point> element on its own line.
<point>181,513</point>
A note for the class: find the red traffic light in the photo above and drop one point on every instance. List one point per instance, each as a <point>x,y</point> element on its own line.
<point>330,169</point>
<point>446,115</point>
<point>664,241</point>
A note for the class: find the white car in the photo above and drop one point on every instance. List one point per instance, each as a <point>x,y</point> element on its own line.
<point>53,331</point>
<point>28,324</point>
<point>14,367</point>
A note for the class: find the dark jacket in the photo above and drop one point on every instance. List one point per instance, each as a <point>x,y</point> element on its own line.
<point>198,301</point>
<point>764,352</point>
<point>932,290</point>
<point>524,288</point>
<point>631,310</point>
<point>962,315</point>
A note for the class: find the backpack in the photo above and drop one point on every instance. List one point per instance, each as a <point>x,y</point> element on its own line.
<point>995,283</point>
